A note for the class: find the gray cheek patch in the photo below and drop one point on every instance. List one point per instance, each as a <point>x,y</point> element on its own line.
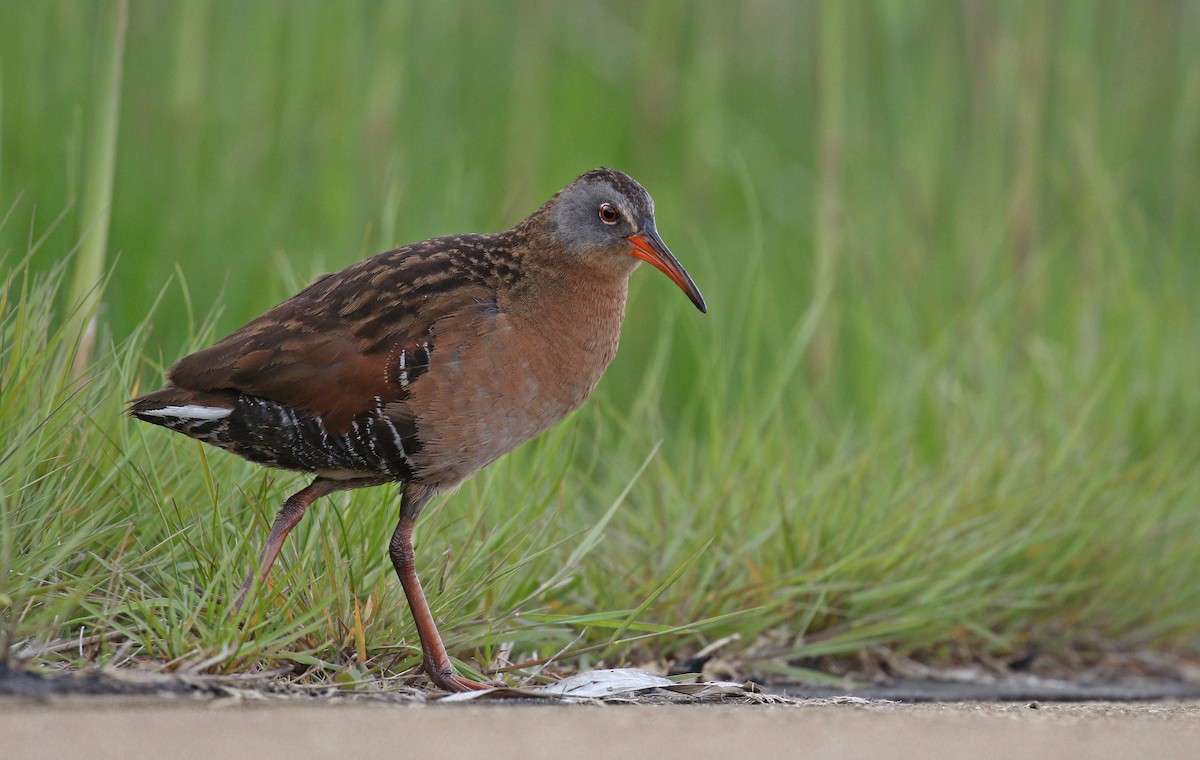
<point>576,234</point>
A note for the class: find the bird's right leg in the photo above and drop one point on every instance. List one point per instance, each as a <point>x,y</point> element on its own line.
<point>289,517</point>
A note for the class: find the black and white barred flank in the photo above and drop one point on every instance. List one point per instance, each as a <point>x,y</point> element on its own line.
<point>276,435</point>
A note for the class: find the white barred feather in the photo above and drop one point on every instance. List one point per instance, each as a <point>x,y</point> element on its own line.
<point>189,412</point>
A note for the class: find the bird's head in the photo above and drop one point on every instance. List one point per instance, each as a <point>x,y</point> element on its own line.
<point>607,213</point>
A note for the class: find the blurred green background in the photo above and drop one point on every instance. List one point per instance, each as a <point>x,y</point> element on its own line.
<point>951,252</point>
<point>974,143</point>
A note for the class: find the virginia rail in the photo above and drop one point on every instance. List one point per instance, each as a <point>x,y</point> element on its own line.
<point>425,363</point>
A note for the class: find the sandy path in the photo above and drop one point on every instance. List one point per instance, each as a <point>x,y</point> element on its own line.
<point>187,728</point>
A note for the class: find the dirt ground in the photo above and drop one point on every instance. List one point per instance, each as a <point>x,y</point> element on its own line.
<point>187,727</point>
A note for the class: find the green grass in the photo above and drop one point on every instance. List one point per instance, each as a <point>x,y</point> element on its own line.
<point>945,401</point>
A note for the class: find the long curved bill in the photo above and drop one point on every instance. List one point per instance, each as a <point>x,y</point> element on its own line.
<point>649,247</point>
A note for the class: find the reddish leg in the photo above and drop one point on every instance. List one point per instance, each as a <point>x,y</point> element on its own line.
<point>289,517</point>
<point>437,662</point>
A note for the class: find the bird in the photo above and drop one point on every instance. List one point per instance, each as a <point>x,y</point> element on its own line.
<point>423,364</point>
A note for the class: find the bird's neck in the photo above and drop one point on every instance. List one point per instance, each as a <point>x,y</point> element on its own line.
<point>574,292</point>
<point>574,314</point>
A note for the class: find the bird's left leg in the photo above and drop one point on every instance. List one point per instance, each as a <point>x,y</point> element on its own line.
<point>437,661</point>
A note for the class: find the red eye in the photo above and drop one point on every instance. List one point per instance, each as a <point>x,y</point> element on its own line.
<point>609,213</point>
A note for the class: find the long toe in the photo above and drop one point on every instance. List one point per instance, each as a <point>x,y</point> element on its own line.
<point>447,680</point>
<point>458,683</point>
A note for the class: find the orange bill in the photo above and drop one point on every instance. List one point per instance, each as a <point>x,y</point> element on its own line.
<point>649,247</point>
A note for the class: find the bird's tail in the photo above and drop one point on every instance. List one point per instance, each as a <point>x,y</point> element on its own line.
<point>181,409</point>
